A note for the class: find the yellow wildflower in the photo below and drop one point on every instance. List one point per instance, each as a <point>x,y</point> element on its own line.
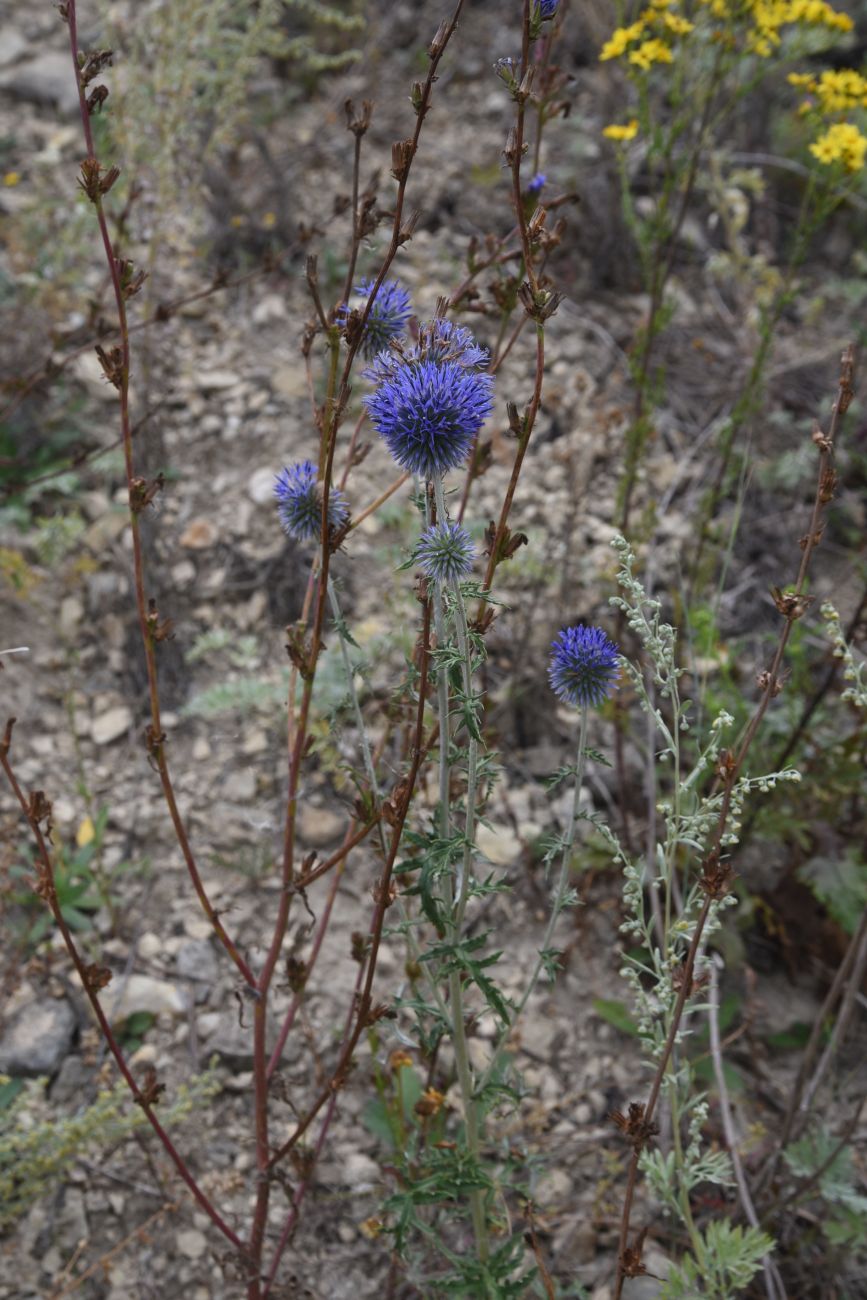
<point>680,26</point>
<point>11,178</point>
<point>626,132</point>
<point>620,40</point>
<point>85,833</point>
<point>842,142</point>
<point>649,52</point>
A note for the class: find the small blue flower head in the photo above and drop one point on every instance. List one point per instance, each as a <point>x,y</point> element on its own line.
<point>537,184</point>
<point>430,399</point>
<point>445,553</point>
<point>388,317</point>
<point>299,502</point>
<point>547,8</point>
<point>585,666</point>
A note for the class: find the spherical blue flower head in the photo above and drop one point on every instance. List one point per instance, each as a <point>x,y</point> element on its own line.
<point>388,317</point>
<point>537,184</point>
<point>584,666</point>
<point>299,502</point>
<point>445,552</point>
<point>440,340</point>
<point>428,412</point>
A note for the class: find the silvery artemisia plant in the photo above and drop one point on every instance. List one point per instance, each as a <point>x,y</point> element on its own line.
<point>690,812</point>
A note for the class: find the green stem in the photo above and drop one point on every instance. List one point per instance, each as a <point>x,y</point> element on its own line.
<point>455,912</point>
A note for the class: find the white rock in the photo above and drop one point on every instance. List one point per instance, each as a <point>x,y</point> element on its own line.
<point>260,485</point>
<point>143,993</point>
<point>214,381</point>
<point>192,1243</point>
<point>554,1188</point>
<point>499,844</point>
<point>111,725</point>
<point>150,945</point>
<point>359,1171</point>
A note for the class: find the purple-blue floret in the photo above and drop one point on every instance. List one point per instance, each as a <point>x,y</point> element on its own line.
<point>430,399</point>
<point>388,317</point>
<point>585,666</point>
<point>445,552</point>
<point>299,502</point>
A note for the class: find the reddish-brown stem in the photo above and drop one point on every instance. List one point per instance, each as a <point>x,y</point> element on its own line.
<point>791,608</point>
<point>382,900</point>
<point>289,1018</point>
<point>524,442</point>
<point>50,896</point>
<point>157,745</point>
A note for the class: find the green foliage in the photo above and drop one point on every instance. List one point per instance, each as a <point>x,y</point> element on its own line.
<point>81,883</point>
<point>845,1222</point>
<point>37,1146</point>
<point>725,1262</point>
<point>840,883</point>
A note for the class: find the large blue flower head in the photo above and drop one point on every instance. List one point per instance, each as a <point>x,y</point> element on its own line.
<point>388,316</point>
<point>299,502</point>
<point>431,399</point>
<point>584,667</point>
<point>445,552</point>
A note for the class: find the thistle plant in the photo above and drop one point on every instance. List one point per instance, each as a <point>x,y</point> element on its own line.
<point>415,762</point>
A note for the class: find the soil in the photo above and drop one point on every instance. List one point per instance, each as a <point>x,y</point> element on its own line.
<point>220,404</point>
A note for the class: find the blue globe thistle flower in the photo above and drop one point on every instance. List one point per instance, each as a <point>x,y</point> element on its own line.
<point>584,666</point>
<point>440,340</point>
<point>537,184</point>
<point>445,552</point>
<point>431,400</point>
<point>299,502</point>
<point>388,317</point>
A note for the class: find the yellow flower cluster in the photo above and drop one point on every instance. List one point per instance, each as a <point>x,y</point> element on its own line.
<point>836,91</point>
<point>656,26</point>
<point>656,18</point>
<point>843,143</point>
<point>626,132</point>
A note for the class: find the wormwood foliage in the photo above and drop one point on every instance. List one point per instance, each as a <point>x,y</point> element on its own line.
<point>37,1147</point>
<point>722,1258</point>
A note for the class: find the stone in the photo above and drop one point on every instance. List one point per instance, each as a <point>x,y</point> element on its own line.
<point>192,1243</point>
<point>200,534</point>
<point>260,486</point>
<point>499,844</point>
<point>359,1171</point>
<point>71,613</point>
<point>554,1188</point>
<point>72,1079</point>
<point>142,993</point>
<point>12,46</point>
<point>217,381</point>
<point>232,1043</point>
<point>319,826</point>
<point>47,79</point>
<point>289,381</point>
<point>111,725</point>
<point>38,1038</point>
<point>271,307</point>
<point>196,961</point>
